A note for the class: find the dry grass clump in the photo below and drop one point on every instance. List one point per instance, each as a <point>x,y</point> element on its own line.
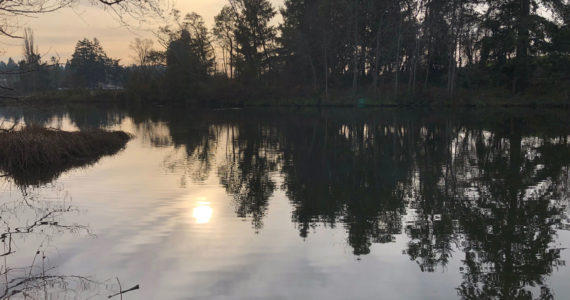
<point>38,154</point>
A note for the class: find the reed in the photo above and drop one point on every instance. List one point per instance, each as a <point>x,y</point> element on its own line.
<point>36,152</point>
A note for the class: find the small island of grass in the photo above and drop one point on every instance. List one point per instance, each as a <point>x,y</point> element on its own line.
<point>34,154</point>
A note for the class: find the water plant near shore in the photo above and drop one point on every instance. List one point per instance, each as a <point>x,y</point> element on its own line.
<point>34,155</point>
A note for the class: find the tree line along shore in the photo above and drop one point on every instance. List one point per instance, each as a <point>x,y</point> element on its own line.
<point>324,52</point>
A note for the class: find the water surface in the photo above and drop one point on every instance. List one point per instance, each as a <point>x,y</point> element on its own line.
<point>297,204</point>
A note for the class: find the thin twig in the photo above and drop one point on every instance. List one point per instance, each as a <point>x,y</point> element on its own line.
<point>120,293</point>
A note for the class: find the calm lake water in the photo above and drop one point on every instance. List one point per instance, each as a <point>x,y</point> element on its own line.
<point>296,204</point>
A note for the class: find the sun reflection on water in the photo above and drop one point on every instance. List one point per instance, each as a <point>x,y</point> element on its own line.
<point>202,213</point>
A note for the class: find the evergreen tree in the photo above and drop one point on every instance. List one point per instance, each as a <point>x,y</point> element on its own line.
<point>189,56</point>
<point>89,64</point>
<point>254,35</point>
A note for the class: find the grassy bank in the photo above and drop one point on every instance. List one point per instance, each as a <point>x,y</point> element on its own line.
<point>74,96</point>
<point>432,96</point>
<point>230,94</point>
<point>36,154</point>
<point>556,95</point>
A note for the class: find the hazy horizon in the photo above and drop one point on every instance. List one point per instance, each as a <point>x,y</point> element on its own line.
<point>57,33</point>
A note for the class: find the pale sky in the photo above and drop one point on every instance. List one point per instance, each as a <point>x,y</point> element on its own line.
<point>57,33</point>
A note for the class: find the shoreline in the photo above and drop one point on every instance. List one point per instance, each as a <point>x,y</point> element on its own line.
<point>339,100</point>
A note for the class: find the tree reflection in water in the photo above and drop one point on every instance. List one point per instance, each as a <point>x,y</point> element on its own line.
<point>245,171</point>
<point>493,189</point>
<point>518,194</point>
<point>488,187</point>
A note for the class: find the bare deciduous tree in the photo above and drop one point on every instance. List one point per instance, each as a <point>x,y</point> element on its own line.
<point>142,49</point>
<point>12,10</point>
